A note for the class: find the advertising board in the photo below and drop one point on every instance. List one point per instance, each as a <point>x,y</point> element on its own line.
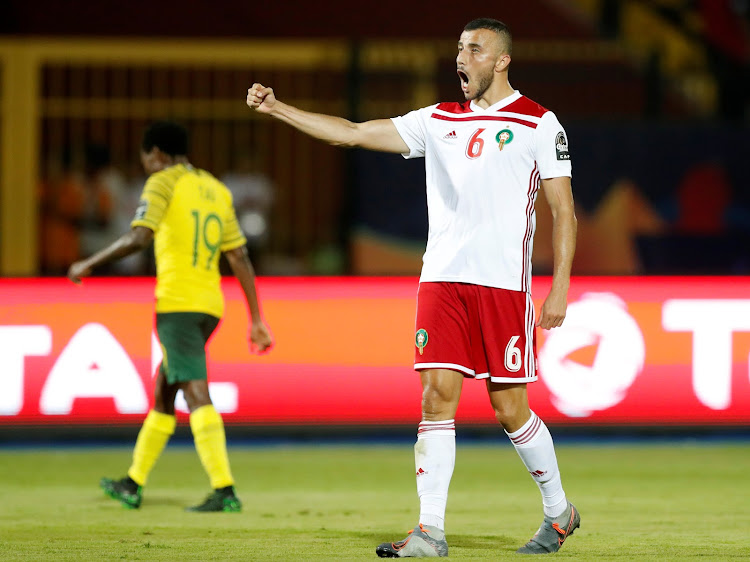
<point>633,351</point>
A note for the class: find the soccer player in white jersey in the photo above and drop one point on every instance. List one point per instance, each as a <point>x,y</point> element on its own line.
<point>485,160</point>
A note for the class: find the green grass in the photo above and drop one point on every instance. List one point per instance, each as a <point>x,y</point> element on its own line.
<point>665,502</point>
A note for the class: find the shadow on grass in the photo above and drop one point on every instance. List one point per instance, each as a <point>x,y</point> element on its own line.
<point>482,542</point>
<point>149,502</point>
<point>462,541</point>
<point>171,501</point>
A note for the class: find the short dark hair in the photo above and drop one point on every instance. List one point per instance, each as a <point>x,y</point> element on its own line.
<point>169,137</point>
<point>493,25</point>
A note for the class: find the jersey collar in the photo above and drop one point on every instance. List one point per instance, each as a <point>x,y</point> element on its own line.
<point>497,105</point>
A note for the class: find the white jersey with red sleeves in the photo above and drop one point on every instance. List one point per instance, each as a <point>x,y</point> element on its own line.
<point>483,168</point>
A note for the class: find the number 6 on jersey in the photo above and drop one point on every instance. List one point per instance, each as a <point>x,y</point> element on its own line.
<point>475,145</point>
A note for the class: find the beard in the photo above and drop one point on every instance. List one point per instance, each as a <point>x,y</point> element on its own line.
<point>485,81</point>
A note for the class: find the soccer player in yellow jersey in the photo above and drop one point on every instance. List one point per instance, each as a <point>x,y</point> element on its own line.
<point>190,216</point>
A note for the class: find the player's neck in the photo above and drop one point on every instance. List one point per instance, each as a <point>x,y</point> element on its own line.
<point>169,161</point>
<point>499,90</point>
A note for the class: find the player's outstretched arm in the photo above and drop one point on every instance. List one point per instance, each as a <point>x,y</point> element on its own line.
<point>379,134</point>
<point>259,335</point>
<point>564,227</point>
<point>138,238</point>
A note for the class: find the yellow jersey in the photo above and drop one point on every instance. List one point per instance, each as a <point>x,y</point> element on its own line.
<point>193,219</point>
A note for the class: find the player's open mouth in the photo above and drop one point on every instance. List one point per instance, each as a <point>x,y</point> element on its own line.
<point>464,79</point>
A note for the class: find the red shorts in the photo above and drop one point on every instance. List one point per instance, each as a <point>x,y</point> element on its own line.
<point>482,332</point>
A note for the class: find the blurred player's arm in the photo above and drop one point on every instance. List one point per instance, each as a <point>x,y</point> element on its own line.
<point>379,134</point>
<point>259,334</point>
<point>138,238</point>
<point>564,227</point>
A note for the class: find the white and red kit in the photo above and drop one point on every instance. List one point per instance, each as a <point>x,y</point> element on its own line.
<point>483,168</point>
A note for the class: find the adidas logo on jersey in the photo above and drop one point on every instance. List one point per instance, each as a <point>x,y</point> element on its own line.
<point>451,136</point>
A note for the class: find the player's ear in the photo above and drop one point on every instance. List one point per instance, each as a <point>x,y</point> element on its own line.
<point>163,158</point>
<point>502,63</point>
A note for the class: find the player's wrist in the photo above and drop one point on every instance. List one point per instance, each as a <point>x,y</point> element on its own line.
<point>276,109</point>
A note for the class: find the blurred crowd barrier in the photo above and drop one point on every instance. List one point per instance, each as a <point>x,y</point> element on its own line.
<point>73,111</point>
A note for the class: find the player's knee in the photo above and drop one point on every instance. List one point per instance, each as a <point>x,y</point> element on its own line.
<point>511,415</point>
<point>437,403</point>
<point>196,394</point>
<point>159,402</point>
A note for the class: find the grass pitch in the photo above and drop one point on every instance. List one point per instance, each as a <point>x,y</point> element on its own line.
<point>657,502</point>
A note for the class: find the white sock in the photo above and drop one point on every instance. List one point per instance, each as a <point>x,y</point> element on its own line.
<point>533,444</point>
<point>434,458</point>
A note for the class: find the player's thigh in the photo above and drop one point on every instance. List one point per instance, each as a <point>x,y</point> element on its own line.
<point>183,337</point>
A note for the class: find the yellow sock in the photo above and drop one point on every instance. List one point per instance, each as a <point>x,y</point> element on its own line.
<point>211,444</point>
<point>152,438</point>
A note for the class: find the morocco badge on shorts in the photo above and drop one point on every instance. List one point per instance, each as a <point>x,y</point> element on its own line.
<point>421,339</point>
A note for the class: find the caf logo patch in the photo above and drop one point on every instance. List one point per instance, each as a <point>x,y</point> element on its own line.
<point>140,212</point>
<point>561,146</point>
<point>420,339</point>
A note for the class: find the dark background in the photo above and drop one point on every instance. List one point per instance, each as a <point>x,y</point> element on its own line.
<point>626,111</point>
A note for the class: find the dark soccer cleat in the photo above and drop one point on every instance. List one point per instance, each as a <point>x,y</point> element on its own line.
<point>219,500</point>
<point>553,532</point>
<point>124,490</point>
<point>424,541</point>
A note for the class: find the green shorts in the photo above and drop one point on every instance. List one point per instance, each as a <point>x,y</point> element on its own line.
<point>183,337</point>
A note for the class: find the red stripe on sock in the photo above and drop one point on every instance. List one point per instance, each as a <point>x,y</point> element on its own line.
<point>434,427</point>
<point>529,434</point>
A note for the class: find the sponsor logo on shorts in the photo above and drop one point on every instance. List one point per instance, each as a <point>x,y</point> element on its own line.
<point>420,339</point>
<point>504,137</point>
<point>421,471</point>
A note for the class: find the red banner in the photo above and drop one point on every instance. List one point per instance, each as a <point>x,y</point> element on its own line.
<point>632,351</point>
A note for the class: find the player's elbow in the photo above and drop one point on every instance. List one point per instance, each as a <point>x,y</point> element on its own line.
<point>140,237</point>
<point>564,212</point>
<point>568,216</point>
<point>347,143</point>
<point>237,259</point>
<point>568,223</point>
